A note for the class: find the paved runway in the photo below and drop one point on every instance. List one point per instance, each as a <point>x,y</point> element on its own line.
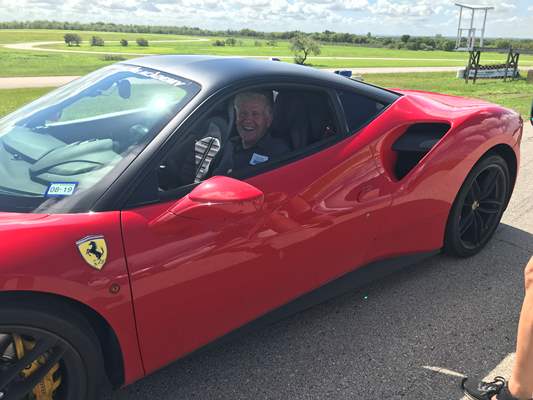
<point>408,336</point>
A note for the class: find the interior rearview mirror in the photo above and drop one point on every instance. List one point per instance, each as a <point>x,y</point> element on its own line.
<point>124,88</point>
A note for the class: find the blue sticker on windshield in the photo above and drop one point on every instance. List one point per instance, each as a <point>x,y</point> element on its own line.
<point>57,189</point>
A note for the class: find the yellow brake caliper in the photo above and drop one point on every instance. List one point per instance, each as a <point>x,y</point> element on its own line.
<point>48,385</point>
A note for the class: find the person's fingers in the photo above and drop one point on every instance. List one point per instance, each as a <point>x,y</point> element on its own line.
<point>528,274</point>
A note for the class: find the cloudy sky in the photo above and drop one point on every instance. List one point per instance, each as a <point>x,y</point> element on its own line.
<point>510,18</point>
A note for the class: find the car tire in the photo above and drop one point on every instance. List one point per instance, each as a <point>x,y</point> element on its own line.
<point>53,336</point>
<point>478,207</point>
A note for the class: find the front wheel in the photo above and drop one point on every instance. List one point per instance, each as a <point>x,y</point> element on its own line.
<point>478,207</point>
<point>47,353</point>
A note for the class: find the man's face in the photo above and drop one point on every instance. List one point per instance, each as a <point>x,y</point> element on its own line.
<point>253,120</point>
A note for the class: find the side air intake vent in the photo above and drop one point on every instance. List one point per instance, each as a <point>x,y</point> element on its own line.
<point>415,143</point>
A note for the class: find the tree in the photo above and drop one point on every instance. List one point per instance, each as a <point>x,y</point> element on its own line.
<point>302,46</point>
<point>123,42</point>
<point>413,45</point>
<point>72,38</point>
<point>405,38</point>
<point>503,44</point>
<point>97,41</point>
<point>142,42</point>
<point>231,41</point>
<point>448,45</point>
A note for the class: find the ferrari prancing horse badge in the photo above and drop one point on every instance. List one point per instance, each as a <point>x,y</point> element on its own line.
<point>93,249</point>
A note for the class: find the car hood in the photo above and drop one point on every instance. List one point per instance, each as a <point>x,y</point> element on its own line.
<point>448,100</point>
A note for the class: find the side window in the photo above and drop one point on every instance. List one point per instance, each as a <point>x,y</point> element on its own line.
<point>359,110</point>
<point>303,117</point>
<point>249,131</point>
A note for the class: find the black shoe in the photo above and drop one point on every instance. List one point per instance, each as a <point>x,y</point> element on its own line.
<point>485,390</point>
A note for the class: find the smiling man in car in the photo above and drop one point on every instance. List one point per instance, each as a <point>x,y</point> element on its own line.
<point>254,118</point>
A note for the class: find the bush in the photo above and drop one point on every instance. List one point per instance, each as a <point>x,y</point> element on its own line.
<point>219,43</point>
<point>113,57</point>
<point>258,43</point>
<point>447,45</point>
<point>97,41</point>
<point>503,44</point>
<point>413,45</point>
<point>142,42</point>
<point>123,42</point>
<point>231,41</point>
<point>72,38</point>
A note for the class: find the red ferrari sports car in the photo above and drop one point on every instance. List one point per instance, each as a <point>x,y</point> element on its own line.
<point>127,242</point>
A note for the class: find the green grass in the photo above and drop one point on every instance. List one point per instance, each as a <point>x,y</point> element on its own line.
<point>11,99</point>
<point>516,95</point>
<point>247,46</point>
<point>44,35</point>
<point>33,63</point>
<point>28,63</point>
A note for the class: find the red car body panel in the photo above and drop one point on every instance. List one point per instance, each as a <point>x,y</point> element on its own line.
<point>51,263</point>
<point>422,199</point>
<point>194,280</point>
<point>203,278</point>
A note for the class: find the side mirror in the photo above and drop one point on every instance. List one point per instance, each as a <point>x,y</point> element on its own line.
<point>220,195</point>
<point>215,200</point>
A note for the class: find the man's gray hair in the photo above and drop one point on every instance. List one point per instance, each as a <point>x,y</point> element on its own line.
<point>266,97</point>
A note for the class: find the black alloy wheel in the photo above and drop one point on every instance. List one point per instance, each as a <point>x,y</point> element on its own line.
<point>47,355</point>
<point>478,208</point>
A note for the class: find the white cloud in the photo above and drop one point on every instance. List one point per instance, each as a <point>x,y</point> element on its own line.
<point>421,17</point>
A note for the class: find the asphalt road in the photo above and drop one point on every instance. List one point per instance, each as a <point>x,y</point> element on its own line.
<point>408,336</point>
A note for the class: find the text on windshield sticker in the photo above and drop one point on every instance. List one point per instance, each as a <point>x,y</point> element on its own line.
<point>61,189</point>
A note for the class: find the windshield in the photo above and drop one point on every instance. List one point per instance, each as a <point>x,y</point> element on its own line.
<point>64,143</point>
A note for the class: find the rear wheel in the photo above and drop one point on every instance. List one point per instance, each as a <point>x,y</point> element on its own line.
<point>47,353</point>
<point>478,207</point>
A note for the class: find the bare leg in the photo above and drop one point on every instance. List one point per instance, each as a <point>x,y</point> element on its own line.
<point>521,382</point>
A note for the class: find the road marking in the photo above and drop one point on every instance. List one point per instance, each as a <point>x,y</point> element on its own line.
<point>444,371</point>
<point>502,369</point>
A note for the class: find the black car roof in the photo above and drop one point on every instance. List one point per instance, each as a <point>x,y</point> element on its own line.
<point>216,72</point>
<point>212,71</point>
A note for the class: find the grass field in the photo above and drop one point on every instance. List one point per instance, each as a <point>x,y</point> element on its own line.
<point>247,47</point>
<point>28,63</point>
<point>514,94</point>
<point>11,99</point>
<point>45,35</point>
<point>34,63</point>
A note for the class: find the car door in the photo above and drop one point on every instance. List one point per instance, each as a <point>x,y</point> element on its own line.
<point>197,275</point>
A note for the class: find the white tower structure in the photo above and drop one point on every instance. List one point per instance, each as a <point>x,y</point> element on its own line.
<point>467,36</point>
